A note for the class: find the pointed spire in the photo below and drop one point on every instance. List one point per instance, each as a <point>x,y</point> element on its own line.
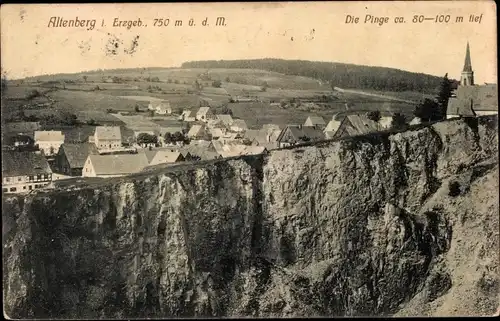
<point>467,64</point>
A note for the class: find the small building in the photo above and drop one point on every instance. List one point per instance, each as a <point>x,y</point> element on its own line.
<point>315,121</point>
<point>160,107</point>
<point>71,158</point>
<point>332,126</point>
<point>292,135</point>
<point>166,157</point>
<point>204,114</point>
<point>187,116</point>
<point>114,165</point>
<point>238,125</point>
<point>107,137</point>
<point>197,132</point>
<point>226,119</point>
<point>385,122</point>
<point>49,141</point>
<point>216,133</point>
<point>24,171</point>
<point>353,125</point>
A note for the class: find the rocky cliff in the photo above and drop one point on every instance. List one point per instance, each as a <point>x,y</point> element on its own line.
<point>384,224</point>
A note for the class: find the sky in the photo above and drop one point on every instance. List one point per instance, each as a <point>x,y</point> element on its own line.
<point>314,31</point>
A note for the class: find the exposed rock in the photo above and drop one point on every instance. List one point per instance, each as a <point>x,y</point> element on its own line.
<point>362,226</point>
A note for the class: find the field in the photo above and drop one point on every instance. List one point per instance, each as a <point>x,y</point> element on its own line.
<point>91,95</point>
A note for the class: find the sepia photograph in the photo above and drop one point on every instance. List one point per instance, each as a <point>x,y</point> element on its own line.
<point>249,160</point>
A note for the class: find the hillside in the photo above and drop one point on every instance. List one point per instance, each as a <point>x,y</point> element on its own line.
<point>362,226</point>
<point>337,74</point>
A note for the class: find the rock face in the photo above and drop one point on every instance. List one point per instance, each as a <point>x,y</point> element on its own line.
<point>362,226</point>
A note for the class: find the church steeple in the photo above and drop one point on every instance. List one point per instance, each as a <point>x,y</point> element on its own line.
<point>467,73</point>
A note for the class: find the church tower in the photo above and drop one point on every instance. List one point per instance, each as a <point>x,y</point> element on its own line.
<point>467,73</point>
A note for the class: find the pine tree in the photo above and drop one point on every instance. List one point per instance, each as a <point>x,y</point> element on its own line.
<point>444,95</point>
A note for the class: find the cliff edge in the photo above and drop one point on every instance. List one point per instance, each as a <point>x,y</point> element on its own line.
<point>383,224</point>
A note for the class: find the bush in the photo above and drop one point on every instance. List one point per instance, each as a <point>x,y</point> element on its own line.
<point>216,84</point>
<point>454,189</point>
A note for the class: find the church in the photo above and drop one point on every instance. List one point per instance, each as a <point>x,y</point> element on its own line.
<point>469,99</point>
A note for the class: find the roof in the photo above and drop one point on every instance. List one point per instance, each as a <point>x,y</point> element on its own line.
<point>258,135</point>
<point>108,132</point>
<point>49,136</point>
<point>333,125</point>
<point>118,164</point>
<point>467,63</point>
<point>360,124</point>
<point>24,164</point>
<point>77,154</point>
<point>216,123</point>
<point>480,97</point>
<point>239,123</point>
<point>199,151</point>
<point>166,156</point>
<point>230,150</point>
<point>314,120</point>
<point>216,132</point>
<point>415,121</point>
<point>297,132</point>
<point>196,130</point>
<point>385,121</point>
<point>203,111</point>
<point>226,119</point>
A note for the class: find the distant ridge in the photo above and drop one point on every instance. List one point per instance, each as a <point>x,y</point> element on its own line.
<point>337,74</point>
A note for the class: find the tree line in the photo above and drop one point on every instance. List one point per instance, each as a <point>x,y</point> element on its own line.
<point>337,74</point>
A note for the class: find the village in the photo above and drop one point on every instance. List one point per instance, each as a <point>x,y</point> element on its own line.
<point>35,158</point>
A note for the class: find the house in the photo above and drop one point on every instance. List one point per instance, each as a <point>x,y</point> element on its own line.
<point>71,158</point>
<point>385,122</point>
<point>114,165</point>
<point>197,132</point>
<point>166,156</point>
<point>204,114</point>
<point>232,150</point>
<point>226,119</point>
<point>49,141</point>
<point>108,137</point>
<point>331,127</point>
<point>187,116</point>
<point>292,135</point>
<point>160,107</point>
<point>216,133</point>
<point>469,99</point>
<point>24,171</point>
<point>238,125</point>
<point>353,125</point>
<point>315,121</point>
<point>415,121</point>
<point>197,151</point>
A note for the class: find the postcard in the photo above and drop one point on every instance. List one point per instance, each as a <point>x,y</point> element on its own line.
<point>249,159</point>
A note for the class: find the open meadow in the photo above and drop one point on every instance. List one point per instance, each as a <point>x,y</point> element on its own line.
<point>93,96</point>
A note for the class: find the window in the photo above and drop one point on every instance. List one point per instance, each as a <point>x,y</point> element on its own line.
<point>24,187</point>
<point>19,179</point>
<point>31,178</point>
<point>36,185</point>
<point>7,179</point>
<point>13,189</point>
<point>5,190</point>
<point>45,176</point>
<point>30,187</point>
<point>39,177</point>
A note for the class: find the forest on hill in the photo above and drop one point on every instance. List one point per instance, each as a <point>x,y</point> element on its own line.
<point>337,74</point>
